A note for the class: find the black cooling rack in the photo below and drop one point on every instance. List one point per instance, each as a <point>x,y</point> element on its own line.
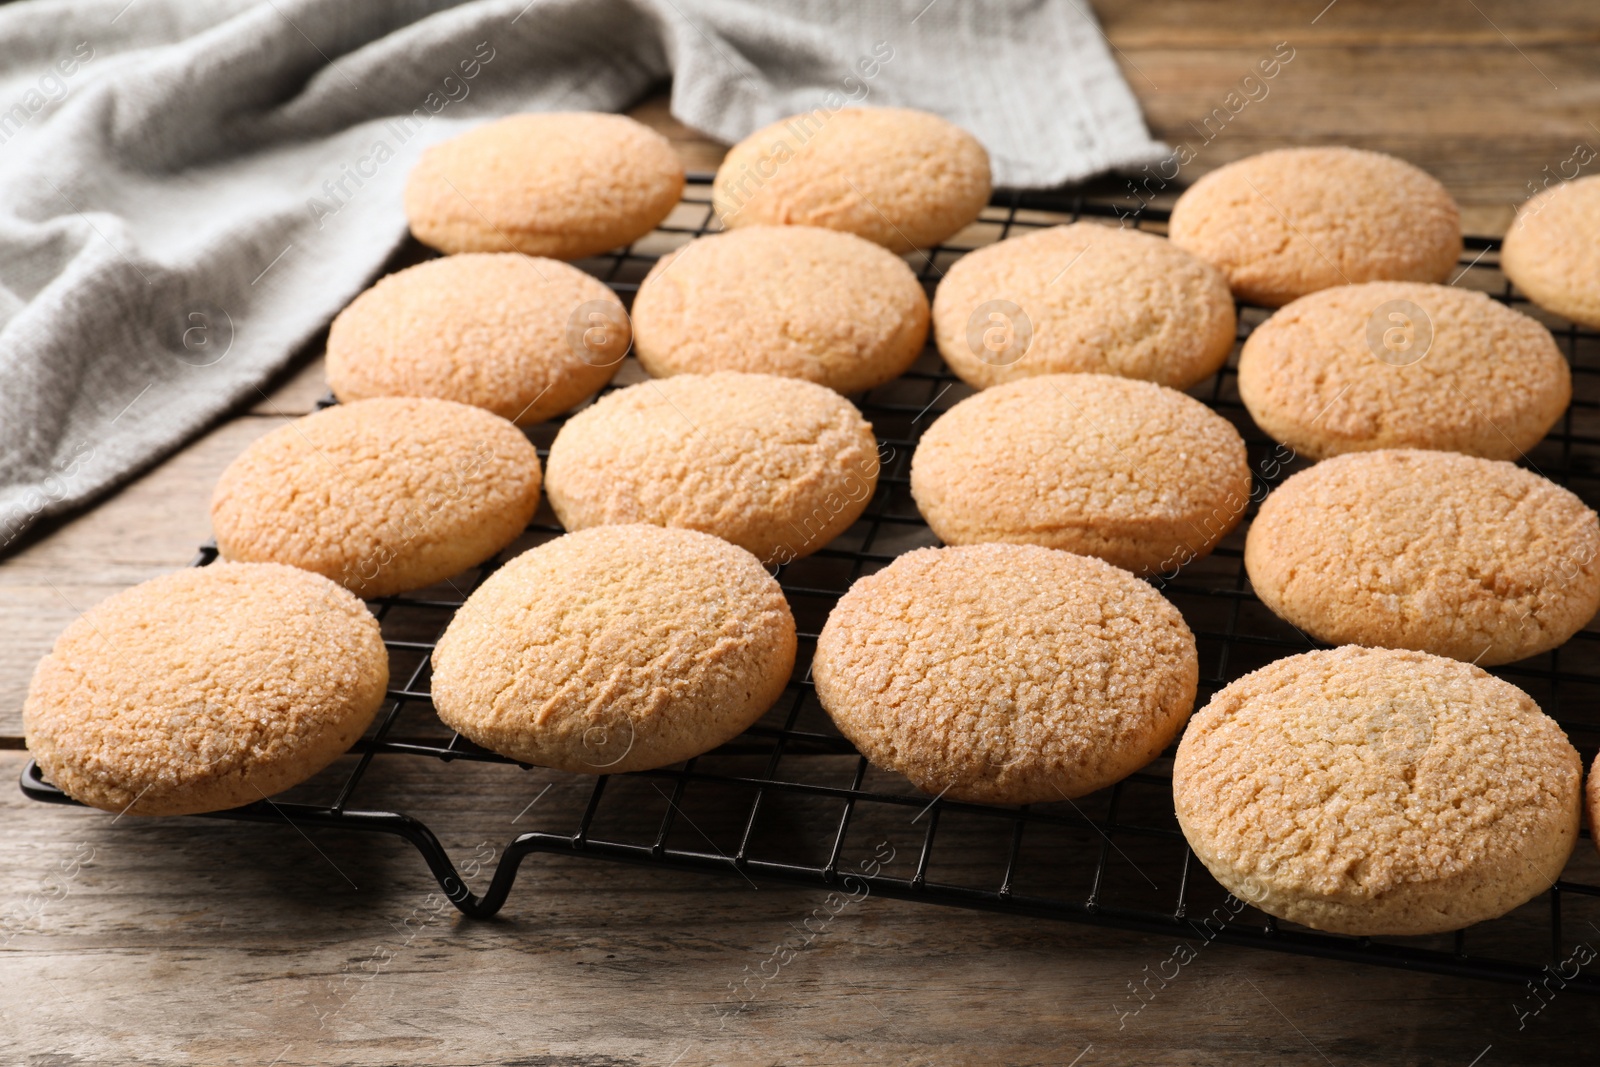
<point>791,801</point>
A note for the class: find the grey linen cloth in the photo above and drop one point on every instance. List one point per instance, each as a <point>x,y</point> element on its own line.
<point>189,192</point>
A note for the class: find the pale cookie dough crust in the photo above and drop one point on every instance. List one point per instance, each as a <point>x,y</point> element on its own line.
<point>1006,674</point>
<point>1367,791</point>
<point>1096,298</point>
<point>901,178</point>
<point>778,467</point>
<point>558,184</point>
<point>1292,221</point>
<point>616,649</point>
<point>381,495</point>
<point>1474,559</point>
<point>205,689</point>
<point>1139,475</point>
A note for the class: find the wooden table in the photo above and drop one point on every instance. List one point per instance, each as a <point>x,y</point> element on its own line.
<point>187,941</point>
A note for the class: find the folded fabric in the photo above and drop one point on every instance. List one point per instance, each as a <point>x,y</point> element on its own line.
<point>189,192</point>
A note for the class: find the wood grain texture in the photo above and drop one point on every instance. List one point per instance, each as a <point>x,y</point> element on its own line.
<point>176,941</point>
<point>190,941</point>
<point>1484,96</point>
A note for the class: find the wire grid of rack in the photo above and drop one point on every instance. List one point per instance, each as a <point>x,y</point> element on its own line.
<point>791,801</point>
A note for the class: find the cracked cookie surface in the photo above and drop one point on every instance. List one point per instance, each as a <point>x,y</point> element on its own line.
<point>205,689</point>
<point>1464,374</point>
<point>1474,559</point>
<point>1371,791</point>
<point>1006,674</point>
<point>797,301</point>
<point>1083,298</point>
<point>1137,474</point>
<point>616,649</point>
<point>1289,222</point>
<point>777,466</point>
<point>522,337</point>
<point>380,495</point>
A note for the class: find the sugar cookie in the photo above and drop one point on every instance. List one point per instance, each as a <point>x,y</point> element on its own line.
<point>1083,297</point>
<point>901,178</point>
<point>1552,250</point>
<point>798,301</point>
<point>777,466</point>
<point>558,184</point>
<point>1137,474</point>
<point>522,337</point>
<point>1403,365</point>
<point>616,649</point>
<point>1370,791</point>
<point>205,689</point>
<point>381,495</point>
<point>1295,220</point>
<point>1006,674</point>
<point>1475,559</point>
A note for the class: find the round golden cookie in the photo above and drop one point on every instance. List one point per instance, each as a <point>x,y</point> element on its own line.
<point>1552,250</point>
<point>205,689</point>
<point>1292,221</point>
<point>798,301</point>
<point>616,649</point>
<point>381,495</point>
<point>901,178</point>
<point>1006,674</point>
<point>1476,559</point>
<point>778,467</point>
<point>522,337</point>
<point>1377,792</point>
<point>1137,474</point>
<point>1083,297</point>
<point>1403,365</point>
<point>558,184</point>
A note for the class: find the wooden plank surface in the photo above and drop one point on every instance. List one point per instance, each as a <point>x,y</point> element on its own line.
<point>186,941</point>
<point>193,941</point>
<point>1482,95</point>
